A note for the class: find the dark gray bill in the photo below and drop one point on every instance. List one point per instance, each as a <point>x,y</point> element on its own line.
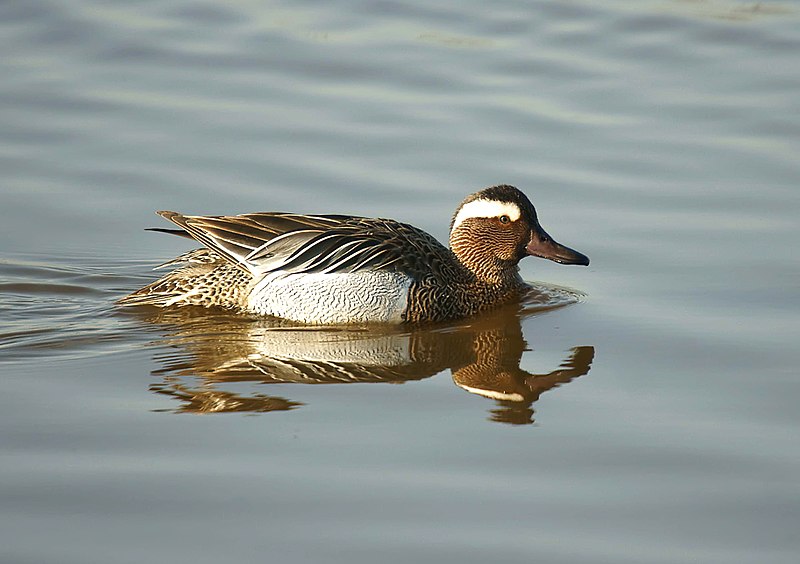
<point>543,246</point>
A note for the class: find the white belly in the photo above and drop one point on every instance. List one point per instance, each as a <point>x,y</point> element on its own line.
<point>329,299</point>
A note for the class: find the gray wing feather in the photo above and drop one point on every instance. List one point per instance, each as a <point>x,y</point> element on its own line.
<point>328,252</point>
<point>267,242</point>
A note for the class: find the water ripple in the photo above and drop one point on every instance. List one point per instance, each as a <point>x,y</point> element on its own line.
<point>44,316</point>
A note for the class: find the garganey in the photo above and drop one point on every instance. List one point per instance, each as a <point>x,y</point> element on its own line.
<point>340,269</point>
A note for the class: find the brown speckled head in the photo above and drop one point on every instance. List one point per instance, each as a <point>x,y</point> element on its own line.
<point>492,230</point>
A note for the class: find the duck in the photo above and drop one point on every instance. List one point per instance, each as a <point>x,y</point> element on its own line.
<point>344,269</point>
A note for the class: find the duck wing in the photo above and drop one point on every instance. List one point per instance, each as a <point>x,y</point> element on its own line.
<point>261,243</point>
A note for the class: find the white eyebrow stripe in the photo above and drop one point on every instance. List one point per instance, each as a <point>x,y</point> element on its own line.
<point>486,208</point>
<point>492,394</point>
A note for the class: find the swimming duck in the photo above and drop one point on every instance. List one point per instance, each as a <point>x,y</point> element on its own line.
<point>340,269</point>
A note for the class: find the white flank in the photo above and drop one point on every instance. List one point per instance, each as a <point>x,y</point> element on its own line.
<point>486,208</point>
<point>332,298</point>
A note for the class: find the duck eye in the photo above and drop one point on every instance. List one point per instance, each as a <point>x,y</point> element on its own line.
<point>504,219</point>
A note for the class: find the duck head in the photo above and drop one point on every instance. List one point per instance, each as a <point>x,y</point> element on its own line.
<point>492,230</point>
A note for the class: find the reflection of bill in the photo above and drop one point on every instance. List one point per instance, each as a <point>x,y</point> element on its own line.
<point>483,355</point>
<point>516,390</point>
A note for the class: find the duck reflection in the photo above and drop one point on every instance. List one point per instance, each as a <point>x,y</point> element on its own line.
<point>209,350</point>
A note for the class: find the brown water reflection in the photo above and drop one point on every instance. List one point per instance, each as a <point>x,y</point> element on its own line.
<point>212,349</point>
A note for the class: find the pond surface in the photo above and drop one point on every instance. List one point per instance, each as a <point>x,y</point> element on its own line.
<point>643,409</point>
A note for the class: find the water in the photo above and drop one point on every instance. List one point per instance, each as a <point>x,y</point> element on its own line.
<point>651,417</point>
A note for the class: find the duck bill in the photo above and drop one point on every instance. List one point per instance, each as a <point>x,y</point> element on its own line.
<point>543,246</point>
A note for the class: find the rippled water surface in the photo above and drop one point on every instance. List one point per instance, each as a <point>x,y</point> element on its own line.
<point>643,409</point>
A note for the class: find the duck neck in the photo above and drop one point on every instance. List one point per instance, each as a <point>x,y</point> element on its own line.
<point>485,268</point>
